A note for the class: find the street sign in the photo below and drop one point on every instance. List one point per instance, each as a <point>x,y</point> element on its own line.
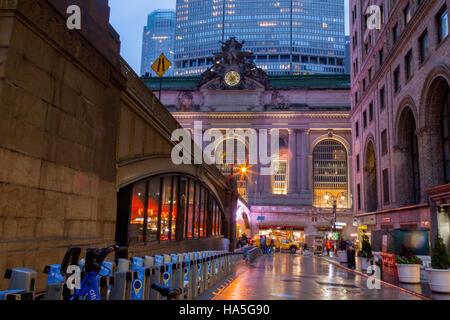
<point>161,65</point>
<point>335,236</point>
<point>261,218</point>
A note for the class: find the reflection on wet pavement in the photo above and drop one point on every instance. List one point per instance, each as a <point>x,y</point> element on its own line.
<point>294,277</point>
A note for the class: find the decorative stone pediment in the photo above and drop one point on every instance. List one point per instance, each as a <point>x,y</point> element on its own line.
<point>232,69</point>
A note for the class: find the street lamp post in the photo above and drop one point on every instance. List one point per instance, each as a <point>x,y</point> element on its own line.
<point>329,196</point>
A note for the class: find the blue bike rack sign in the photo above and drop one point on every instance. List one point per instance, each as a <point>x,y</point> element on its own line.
<point>186,269</point>
<point>54,274</point>
<point>167,275</point>
<point>159,260</point>
<point>137,292</point>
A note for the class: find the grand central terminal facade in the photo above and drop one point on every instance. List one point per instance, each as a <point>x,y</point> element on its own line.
<point>312,115</point>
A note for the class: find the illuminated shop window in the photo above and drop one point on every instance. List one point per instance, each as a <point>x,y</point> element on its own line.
<point>166,208</point>
<point>330,175</point>
<point>170,207</point>
<point>190,209</point>
<point>135,228</point>
<point>153,209</point>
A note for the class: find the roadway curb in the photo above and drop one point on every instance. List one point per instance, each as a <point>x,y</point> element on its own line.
<point>381,281</point>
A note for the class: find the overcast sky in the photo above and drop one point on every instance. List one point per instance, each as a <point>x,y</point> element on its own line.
<point>129,17</point>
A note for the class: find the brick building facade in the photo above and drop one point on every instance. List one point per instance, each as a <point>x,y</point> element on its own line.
<point>400,101</point>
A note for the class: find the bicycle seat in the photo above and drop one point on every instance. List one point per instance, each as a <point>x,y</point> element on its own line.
<point>170,293</point>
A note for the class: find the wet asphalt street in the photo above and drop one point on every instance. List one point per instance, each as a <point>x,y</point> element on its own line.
<point>295,277</point>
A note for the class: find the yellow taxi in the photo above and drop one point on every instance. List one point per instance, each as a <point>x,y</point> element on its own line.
<point>279,242</point>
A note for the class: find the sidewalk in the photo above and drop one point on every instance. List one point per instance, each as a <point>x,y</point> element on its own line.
<point>421,289</point>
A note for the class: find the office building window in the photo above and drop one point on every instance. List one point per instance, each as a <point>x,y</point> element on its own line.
<point>384,142</point>
<point>409,65</point>
<point>382,98</point>
<point>386,186</point>
<point>371,112</point>
<point>423,47</point>
<point>442,21</point>
<point>359,196</point>
<point>406,15</point>
<point>395,34</point>
<point>397,79</point>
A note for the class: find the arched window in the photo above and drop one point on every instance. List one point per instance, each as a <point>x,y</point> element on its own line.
<point>167,207</point>
<point>330,174</point>
<point>239,168</point>
<point>370,178</point>
<point>408,186</point>
<point>446,135</point>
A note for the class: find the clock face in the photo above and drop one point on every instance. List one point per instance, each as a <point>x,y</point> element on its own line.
<point>232,78</point>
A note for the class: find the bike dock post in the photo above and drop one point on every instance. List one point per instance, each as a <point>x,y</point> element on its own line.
<point>186,266</point>
<point>157,272</point>
<point>208,284</point>
<point>149,264</point>
<point>203,274</point>
<point>106,279</point>
<point>216,267</point>
<point>138,282</point>
<point>121,290</point>
<point>178,271</point>
<point>22,279</point>
<point>167,275</point>
<point>55,283</point>
<point>194,270</point>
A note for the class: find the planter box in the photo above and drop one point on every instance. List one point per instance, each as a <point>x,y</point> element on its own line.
<point>409,273</point>
<point>439,280</point>
<point>342,256</point>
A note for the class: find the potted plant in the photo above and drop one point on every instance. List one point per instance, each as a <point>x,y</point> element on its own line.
<point>365,254</point>
<point>408,266</point>
<point>342,252</point>
<point>439,273</point>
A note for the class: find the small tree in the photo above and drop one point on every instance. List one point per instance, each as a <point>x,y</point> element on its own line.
<point>366,248</point>
<point>440,258</point>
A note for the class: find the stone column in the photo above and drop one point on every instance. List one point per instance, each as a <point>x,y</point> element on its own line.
<point>304,158</point>
<point>292,165</point>
<point>267,178</point>
<point>298,159</point>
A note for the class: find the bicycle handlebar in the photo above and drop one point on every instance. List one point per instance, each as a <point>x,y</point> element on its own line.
<point>94,257</point>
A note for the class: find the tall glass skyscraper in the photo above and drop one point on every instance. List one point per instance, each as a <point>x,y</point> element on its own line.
<point>286,36</point>
<point>158,38</point>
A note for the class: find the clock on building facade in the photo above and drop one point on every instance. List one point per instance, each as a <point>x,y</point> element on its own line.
<point>232,78</point>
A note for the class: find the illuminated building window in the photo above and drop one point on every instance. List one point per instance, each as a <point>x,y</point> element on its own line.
<point>279,179</point>
<point>330,175</point>
<point>238,169</point>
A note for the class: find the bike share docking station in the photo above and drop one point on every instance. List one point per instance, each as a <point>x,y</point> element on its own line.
<point>140,278</point>
<point>21,285</point>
